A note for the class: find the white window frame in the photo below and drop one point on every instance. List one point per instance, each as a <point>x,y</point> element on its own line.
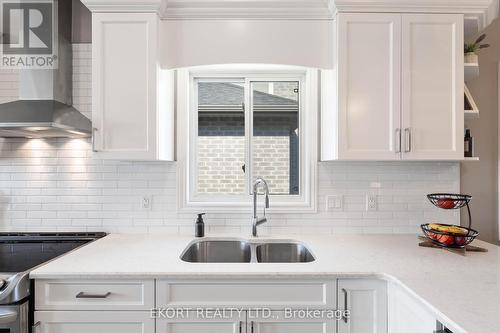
<point>187,121</point>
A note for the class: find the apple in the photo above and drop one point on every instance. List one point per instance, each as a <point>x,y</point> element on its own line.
<point>446,240</point>
<point>433,235</point>
<point>446,203</point>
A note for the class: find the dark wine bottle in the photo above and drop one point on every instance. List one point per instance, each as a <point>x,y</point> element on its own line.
<point>468,144</point>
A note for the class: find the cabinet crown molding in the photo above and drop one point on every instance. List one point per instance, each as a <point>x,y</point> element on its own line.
<point>485,11</point>
<point>426,5</point>
<point>137,6</point>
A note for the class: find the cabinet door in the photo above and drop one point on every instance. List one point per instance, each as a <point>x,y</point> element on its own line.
<point>369,86</point>
<point>293,321</point>
<point>433,86</point>
<point>94,321</point>
<point>124,85</point>
<point>202,322</point>
<point>367,302</point>
<point>408,315</point>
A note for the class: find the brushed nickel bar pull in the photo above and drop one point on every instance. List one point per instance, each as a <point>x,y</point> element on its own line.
<point>251,327</point>
<point>344,317</point>
<point>94,149</point>
<point>241,325</point>
<point>408,140</point>
<point>82,294</point>
<point>398,140</point>
<point>35,326</point>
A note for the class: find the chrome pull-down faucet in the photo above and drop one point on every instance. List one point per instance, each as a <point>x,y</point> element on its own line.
<point>256,221</point>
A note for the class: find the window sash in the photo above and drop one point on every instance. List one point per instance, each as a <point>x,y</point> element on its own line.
<point>250,144</point>
<point>249,120</point>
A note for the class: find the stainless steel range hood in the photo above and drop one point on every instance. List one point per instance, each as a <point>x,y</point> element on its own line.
<point>42,119</point>
<point>45,96</point>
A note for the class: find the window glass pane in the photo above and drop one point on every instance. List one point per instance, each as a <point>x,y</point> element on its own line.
<point>221,138</point>
<point>275,141</point>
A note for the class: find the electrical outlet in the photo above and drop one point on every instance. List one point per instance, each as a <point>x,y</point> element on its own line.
<point>146,202</point>
<point>334,202</point>
<point>371,203</point>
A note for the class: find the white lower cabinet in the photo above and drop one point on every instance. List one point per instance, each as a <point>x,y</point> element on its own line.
<point>407,314</point>
<point>366,299</point>
<point>290,322</point>
<point>229,306</point>
<point>202,322</point>
<point>93,295</point>
<point>276,294</point>
<point>93,321</point>
<point>244,322</point>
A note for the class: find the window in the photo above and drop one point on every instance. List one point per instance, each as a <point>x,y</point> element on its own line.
<point>245,125</point>
<point>221,145</point>
<point>275,135</point>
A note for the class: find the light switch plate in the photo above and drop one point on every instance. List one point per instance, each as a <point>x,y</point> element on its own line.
<point>334,202</point>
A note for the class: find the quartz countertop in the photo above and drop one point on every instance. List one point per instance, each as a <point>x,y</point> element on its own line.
<point>463,291</point>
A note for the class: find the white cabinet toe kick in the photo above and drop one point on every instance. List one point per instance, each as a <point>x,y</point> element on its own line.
<point>312,305</point>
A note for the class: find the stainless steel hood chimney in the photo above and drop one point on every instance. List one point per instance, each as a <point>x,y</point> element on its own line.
<point>45,95</point>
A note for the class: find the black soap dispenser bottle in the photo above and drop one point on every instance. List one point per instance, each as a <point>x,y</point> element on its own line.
<point>200,226</point>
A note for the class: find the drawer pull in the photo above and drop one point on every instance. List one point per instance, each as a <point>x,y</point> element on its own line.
<point>82,294</point>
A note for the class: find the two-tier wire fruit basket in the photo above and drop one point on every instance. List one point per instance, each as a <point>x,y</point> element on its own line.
<point>447,235</point>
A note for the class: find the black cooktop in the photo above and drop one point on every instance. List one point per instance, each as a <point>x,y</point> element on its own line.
<point>21,252</point>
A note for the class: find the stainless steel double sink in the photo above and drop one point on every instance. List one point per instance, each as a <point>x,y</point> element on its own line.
<point>245,251</point>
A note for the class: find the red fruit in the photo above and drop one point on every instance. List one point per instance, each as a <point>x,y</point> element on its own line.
<point>445,203</point>
<point>433,235</point>
<point>446,240</point>
<point>460,240</point>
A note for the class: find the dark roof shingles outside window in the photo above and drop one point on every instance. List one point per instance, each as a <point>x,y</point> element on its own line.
<point>223,93</point>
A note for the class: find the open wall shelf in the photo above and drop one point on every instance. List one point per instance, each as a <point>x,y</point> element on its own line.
<point>471,110</point>
<point>471,114</point>
<point>471,71</point>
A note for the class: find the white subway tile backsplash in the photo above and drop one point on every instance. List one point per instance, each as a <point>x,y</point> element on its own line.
<point>56,184</point>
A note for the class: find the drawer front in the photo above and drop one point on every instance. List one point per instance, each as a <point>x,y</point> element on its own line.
<point>274,294</point>
<point>94,295</point>
<point>94,322</point>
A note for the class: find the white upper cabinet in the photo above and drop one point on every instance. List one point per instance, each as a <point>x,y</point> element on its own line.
<point>433,86</point>
<point>369,96</point>
<point>397,88</point>
<point>132,98</point>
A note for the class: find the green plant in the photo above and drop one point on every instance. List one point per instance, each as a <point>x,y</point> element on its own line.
<point>476,45</point>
